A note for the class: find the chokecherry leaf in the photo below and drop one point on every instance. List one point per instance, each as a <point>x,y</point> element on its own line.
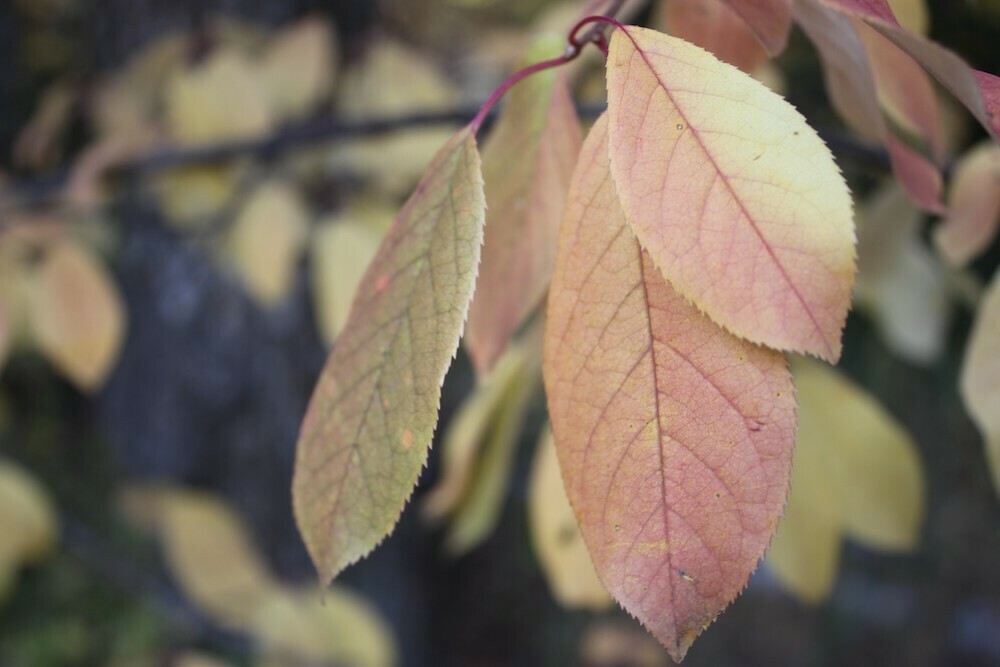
<point>736,198</point>
<point>674,436</point>
<point>527,162</point>
<point>369,425</point>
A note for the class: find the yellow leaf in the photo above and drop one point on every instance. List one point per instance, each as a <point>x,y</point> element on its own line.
<point>333,626</point>
<point>468,432</point>
<point>900,283</point>
<point>75,315</point>
<point>218,99</point>
<point>736,199</point>
<point>209,553</point>
<point>556,535</point>
<point>870,459</point>
<point>479,508</point>
<point>28,521</point>
<point>192,196</point>
<point>266,240</point>
<point>912,15</point>
<point>298,67</point>
<point>856,473</point>
<point>393,80</point>
<point>342,247</point>
<point>805,553</point>
<point>973,217</point>
<point>980,381</point>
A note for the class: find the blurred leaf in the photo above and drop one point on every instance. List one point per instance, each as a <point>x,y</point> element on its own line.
<point>912,15</point>
<point>28,521</point>
<point>905,90</point>
<point>218,568</point>
<point>715,27</point>
<point>478,511</point>
<point>539,132</point>
<point>467,434</point>
<point>208,551</point>
<point>900,283</point>
<point>342,247</point>
<point>75,315</point>
<point>973,206</point>
<point>369,425</point>
<point>612,644</point>
<point>192,659</point>
<point>980,381</point>
<point>192,196</point>
<point>219,98</point>
<point>556,536</point>
<point>334,626</point>
<point>298,67</point>
<point>393,80</point>
<point>266,240</point>
<point>856,472</point>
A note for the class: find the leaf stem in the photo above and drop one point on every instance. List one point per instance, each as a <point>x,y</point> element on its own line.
<point>575,44</point>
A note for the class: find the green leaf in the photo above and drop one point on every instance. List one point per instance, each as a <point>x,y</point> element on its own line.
<point>369,425</point>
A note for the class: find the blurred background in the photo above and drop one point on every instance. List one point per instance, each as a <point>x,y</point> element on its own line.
<point>189,191</point>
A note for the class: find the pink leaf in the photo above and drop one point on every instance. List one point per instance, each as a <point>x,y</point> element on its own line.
<point>716,27</point>
<point>735,197</point>
<point>770,20</point>
<point>674,436</point>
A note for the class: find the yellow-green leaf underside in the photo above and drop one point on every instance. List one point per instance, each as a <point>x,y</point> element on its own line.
<point>369,425</point>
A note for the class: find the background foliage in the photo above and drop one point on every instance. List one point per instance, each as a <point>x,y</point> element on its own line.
<point>145,470</point>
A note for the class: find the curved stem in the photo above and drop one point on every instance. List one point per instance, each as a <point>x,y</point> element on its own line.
<point>570,54</point>
<point>576,43</point>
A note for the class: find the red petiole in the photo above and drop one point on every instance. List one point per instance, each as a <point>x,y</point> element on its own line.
<point>574,46</point>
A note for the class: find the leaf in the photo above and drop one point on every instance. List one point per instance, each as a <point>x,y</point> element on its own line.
<point>734,196</point>
<point>266,240</point>
<point>770,20</point>
<point>209,553</point>
<point>75,315</point>
<point>805,553</point>
<point>905,90</point>
<point>192,196</point>
<point>477,513</point>
<point>201,100</point>
<point>715,26</point>
<point>614,644</point>
<point>298,67</point>
<point>335,627</point>
<point>911,14</point>
<point>28,521</point>
<point>853,93</point>
<point>539,132</point>
<point>980,380</point>
<point>556,535</point>
<point>973,206</point>
<point>978,91</point>
<point>468,432</point>
<point>365,436</point>
<point>900,283</point>
<point>342,247</point>
<point>856,472</point>
<point>393,80</point>
<point>674,437</point>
